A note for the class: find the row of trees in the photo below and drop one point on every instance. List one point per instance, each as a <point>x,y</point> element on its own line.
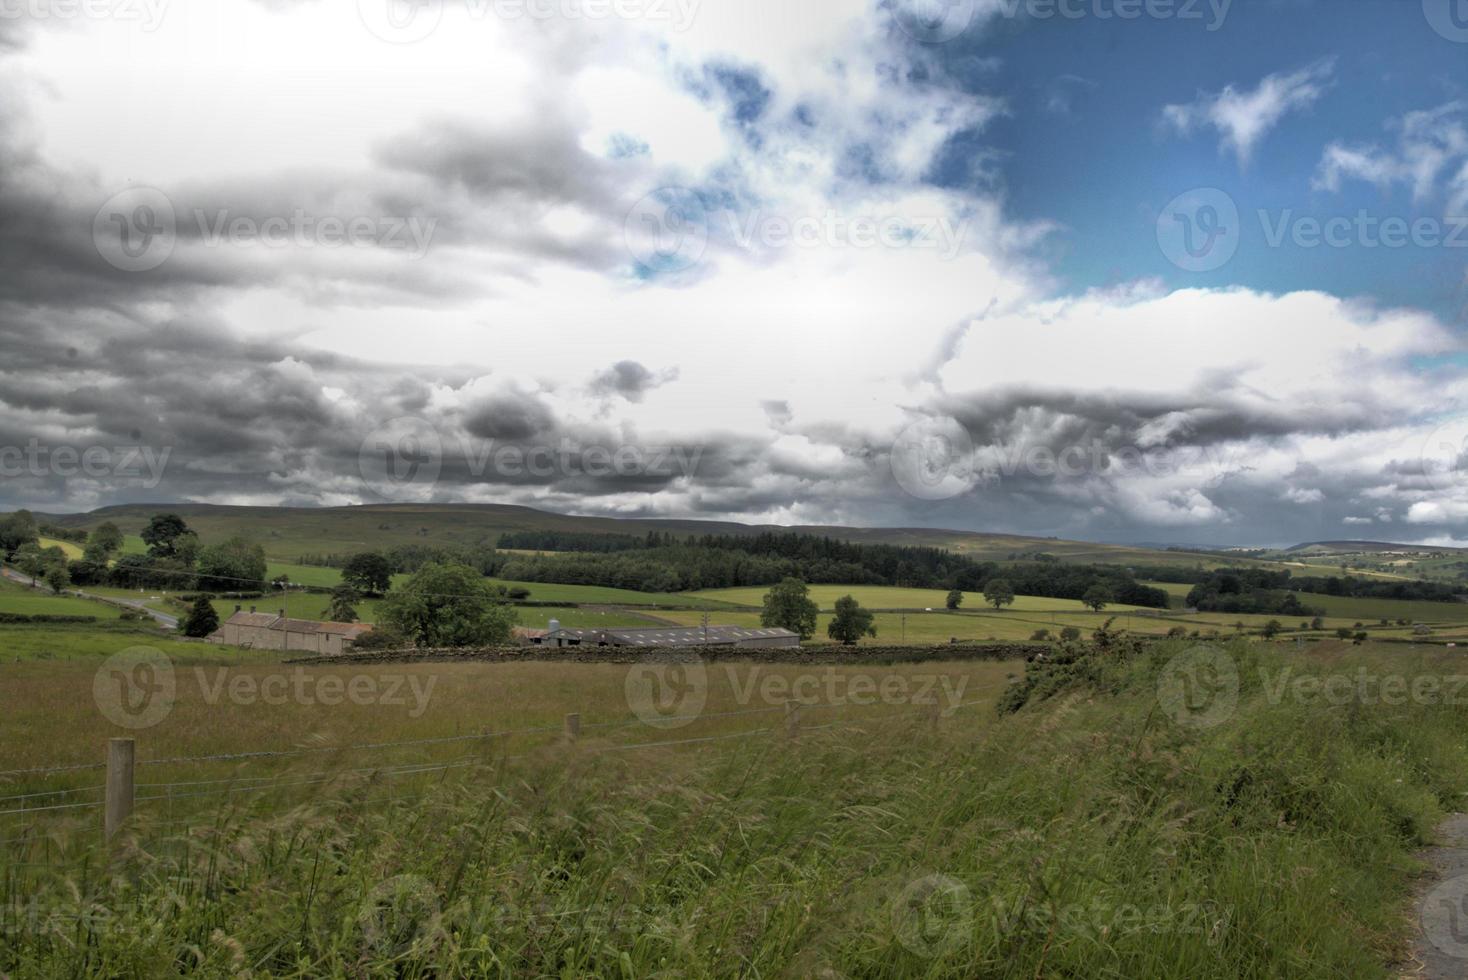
<point>789,605</point>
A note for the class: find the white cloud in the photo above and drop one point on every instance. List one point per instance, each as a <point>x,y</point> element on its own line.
<point>1243,117</point>
<point>1431,157</point>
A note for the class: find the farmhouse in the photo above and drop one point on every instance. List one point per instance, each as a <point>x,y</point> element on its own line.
<point>670,636</point>
<point>268,631</point>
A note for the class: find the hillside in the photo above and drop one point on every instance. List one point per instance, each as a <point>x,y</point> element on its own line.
<point>289,532</point>
<point>1369,547</point>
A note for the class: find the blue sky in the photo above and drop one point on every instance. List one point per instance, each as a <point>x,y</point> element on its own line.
<point>1084,146</point>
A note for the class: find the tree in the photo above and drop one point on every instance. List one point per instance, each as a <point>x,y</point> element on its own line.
<point>999,593</point>
<point>106,538</point>
<point>163,533</point>
<point>1317,623</point>
<point>1272,628</point>
<point>16,530</point>
<point>342,608</point>
<point>954,599</point>
<point>1070,633</point>
<point>851,622</point>
<point>235,565</point>
<point>202,619</point>
<point>789,605</point>
<point>449,605</point>
<point>368,573</point>
<point>57,578</point>
<point>1097,597</point>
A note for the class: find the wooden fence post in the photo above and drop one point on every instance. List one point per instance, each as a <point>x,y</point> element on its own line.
<point>573,726</point>
<point>792,719</point>
<point>121,753</point>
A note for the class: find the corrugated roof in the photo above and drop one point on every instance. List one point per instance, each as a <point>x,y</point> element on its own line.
<point>672,635</point>
<point>261,620</point>
<point>252,619</point>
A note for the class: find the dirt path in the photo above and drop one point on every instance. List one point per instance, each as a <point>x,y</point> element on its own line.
<point>1441,948</point>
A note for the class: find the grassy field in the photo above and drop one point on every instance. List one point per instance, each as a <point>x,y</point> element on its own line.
<point>72,551</point>
<point>26,601</point>
<point>890,597</point>
<point>1088,835</point>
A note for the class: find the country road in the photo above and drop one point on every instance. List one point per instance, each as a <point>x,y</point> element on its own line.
<point>163,619</point>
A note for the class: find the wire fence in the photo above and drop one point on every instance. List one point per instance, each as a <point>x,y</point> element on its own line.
<point>81,800</point>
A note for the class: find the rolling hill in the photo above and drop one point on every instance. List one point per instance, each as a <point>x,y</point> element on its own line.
<point>289,532</point>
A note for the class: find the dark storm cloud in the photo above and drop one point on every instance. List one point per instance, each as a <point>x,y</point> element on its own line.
<point>629,380</point>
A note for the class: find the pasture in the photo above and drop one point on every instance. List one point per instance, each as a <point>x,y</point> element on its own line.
<point>26,601</point>
<point>459,833</point>
<point>891,597</point>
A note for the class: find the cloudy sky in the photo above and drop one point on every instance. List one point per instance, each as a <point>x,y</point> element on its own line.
<point>1109,269</point>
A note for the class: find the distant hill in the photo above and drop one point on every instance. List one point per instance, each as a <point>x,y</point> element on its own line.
<point>289,532</point>
<point>1368,547</point>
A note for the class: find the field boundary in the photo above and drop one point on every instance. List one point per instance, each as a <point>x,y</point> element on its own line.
<point>820,654</point>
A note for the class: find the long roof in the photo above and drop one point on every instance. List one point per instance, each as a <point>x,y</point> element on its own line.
<point>673,635</point>
<point>271,621</point>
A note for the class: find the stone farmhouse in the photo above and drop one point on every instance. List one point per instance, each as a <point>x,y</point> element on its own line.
<point>271,631</point>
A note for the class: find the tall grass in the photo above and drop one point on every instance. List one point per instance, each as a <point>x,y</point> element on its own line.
<point>1086,835</point>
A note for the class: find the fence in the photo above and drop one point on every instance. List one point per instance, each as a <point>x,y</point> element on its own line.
<point>118,799</point>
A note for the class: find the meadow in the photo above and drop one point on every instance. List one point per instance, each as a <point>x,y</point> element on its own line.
<point>1089,834</point>
<point>27,601</point>
<point>891,597</point>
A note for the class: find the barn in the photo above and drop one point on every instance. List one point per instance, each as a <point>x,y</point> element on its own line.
<point>670,637</point>
<point>271,631</point>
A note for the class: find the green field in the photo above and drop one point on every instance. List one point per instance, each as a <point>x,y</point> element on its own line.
<point>72,551</point>
<point>26,601</point>
<point>890,597</point>
<point>1088,835</point>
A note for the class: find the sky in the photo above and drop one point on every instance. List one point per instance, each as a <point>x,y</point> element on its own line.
<point>1170,271</point>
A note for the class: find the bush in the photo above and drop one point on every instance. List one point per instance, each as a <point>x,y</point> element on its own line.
<point>381,637</point>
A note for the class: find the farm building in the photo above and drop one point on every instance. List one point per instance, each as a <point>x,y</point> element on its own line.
<point>269,631</point>
<point>670,636</point>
